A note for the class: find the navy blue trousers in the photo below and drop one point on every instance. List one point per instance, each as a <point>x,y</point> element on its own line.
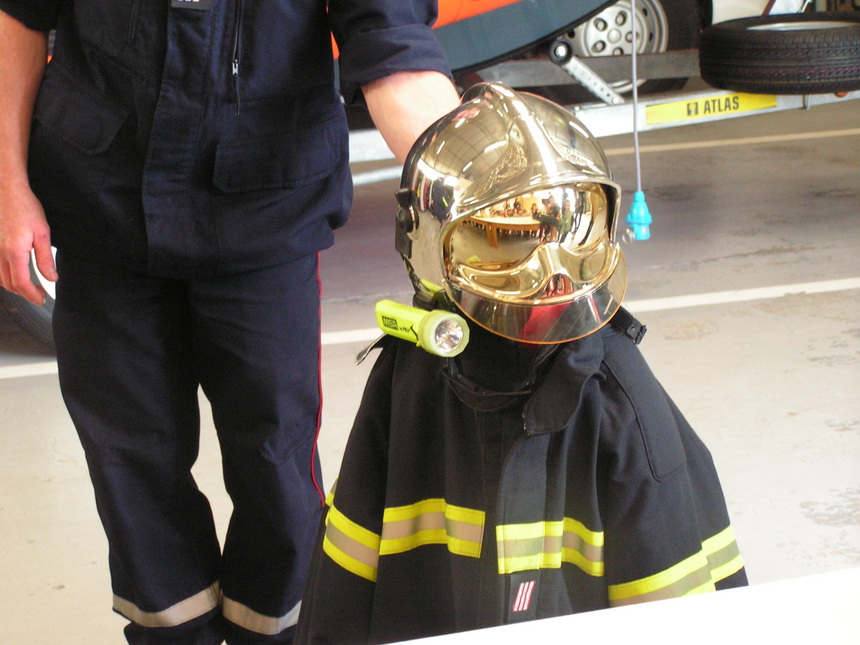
<point>133,351</point>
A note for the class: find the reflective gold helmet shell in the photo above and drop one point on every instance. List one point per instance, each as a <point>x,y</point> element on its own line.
<point>508,208</point>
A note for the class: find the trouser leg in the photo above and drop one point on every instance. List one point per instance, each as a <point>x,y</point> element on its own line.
<point>257,345</point>
<point>127,374</point>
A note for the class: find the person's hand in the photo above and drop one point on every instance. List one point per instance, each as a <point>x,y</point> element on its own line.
<point>24,228</point>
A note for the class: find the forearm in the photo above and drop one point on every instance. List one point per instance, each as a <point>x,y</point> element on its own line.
<point>405,104</point>
<point>23,55</point>
<point>23,227</point>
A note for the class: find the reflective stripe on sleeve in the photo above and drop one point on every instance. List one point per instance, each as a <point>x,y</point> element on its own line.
<point>545,545</point>
<point>181,612</point>
<point>350,545</point>
<point>432,521</point>
<point>718,559</point>
<point>723,554</point>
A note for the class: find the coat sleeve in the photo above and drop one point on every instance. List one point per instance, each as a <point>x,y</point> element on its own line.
<point>377,38</point>
<point>667,528</point>
<point>39,15</point>
<point>339,593</point>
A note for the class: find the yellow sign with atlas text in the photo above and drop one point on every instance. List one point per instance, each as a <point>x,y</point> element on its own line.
<point>710,106</point>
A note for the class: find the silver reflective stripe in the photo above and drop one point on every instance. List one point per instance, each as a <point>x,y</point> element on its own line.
<point>351,545</point>
<point>718,559</point>
<point>432,521</point>
<point>724,559</point>
<point>696,581</point>
<point>546,545</point>
<point>247,618</point>
<point>181,612</point>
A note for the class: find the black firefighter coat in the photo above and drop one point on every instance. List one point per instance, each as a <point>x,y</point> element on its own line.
<point>469,497</point>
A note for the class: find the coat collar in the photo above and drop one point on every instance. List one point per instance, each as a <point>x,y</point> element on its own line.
<point>560,393</point>
<point>547,383</point>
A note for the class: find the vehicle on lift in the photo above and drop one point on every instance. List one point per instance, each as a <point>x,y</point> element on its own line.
<point>478,33</point>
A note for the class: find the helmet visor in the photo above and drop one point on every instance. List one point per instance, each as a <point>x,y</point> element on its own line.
<point>541,267</point>
<point>541,246</point>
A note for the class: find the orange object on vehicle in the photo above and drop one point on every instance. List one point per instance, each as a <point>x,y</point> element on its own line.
<point>451,11</point>
<point>456,10</point>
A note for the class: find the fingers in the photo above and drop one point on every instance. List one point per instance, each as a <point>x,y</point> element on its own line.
<point>5,276</point>
<point>45,259</point>
<point>15,275</point>
<point>19,281</point>
<point>23,228</point>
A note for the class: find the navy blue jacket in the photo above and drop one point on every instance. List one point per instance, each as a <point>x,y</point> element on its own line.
<point>465,503</point>
<point>192,137</point>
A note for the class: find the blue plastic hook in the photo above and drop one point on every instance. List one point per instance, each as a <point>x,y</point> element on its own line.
<point>639,219</point>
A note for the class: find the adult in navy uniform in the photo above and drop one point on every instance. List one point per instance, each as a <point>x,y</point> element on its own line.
<point>188,159</point>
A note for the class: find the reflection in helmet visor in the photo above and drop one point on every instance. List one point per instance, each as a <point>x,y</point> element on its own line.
<point>544,245</point>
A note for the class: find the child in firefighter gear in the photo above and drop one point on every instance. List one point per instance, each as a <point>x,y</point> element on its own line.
<point>543,471</point>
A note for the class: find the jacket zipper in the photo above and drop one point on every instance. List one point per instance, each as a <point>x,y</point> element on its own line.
<point>237,47</point>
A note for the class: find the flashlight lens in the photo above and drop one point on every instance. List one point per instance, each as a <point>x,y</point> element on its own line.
<point>448,335</point>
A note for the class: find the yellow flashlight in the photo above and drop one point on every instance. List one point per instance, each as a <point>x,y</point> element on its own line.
<point>438,332</point>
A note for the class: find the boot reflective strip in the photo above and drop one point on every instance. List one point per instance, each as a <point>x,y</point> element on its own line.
<point>181,612</point>
<point>404,528</point>
<point>545,545</point>
<point>718,559</point>
<point>247,618</point>
<point>432,521</point>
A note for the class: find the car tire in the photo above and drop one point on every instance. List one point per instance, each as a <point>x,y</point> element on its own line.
<point>808,53</point>
<point>35,321</point>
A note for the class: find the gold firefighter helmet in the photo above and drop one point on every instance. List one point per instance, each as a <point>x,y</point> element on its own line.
<point>508,210</point>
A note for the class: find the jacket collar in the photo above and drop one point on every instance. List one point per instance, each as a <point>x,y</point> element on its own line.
<point>548,382</point>
<point>560,393</point>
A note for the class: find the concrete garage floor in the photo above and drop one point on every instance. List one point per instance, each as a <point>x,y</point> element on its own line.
<point>757,220</point>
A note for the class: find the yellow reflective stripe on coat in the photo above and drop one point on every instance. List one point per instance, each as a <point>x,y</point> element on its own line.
<point>404,528</point>
<point>718,559</point>
<point>351,545</point>
<point>545,545</point>
<point>724,556</point>
<point>432,521</point>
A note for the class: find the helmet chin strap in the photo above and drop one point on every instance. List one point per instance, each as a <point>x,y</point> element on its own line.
<point>639,218</point>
